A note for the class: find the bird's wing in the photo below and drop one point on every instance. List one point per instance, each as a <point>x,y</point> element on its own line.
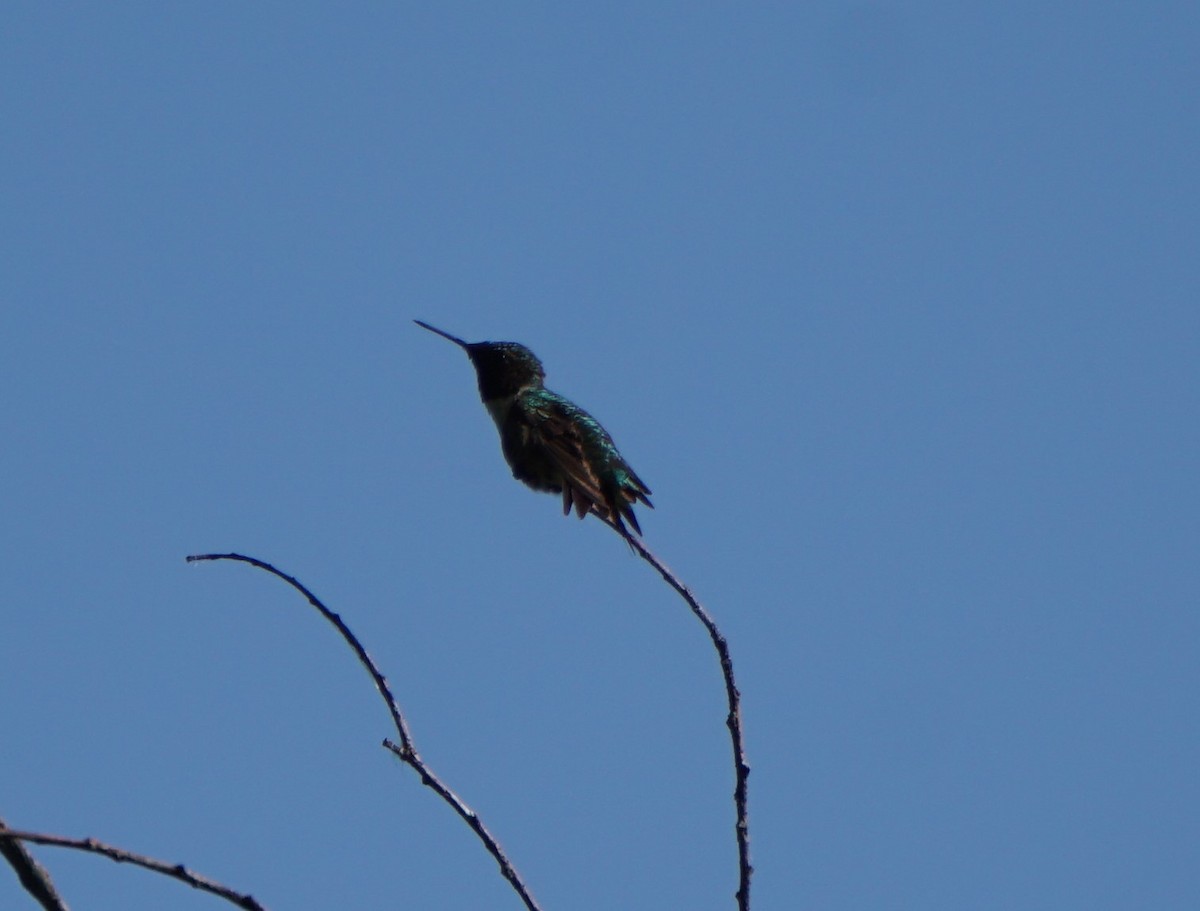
<point>567,448</point>
<point>556,433</point>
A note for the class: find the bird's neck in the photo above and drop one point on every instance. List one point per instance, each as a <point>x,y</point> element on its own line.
<point>500,406</point>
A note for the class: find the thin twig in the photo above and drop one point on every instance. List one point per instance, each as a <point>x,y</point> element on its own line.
<point>175,871</point>
<point>405,751</point>
<point>733,720</point>
<point>381,683</point>
<point>409,756</point>
<point>33,876</point>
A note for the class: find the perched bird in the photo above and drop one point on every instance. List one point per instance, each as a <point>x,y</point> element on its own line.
<point>549,442</point>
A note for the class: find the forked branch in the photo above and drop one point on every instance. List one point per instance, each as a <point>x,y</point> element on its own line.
<point>33,876</point>
<point>404,750</point>
<point>121,856</point>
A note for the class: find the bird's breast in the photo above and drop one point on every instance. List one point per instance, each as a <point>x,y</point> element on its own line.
<point>499,409</point>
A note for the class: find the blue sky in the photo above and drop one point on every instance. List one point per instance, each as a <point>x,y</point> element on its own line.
<point>894,306</point>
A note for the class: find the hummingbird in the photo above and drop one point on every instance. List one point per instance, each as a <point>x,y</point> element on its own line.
<point>549,442</point>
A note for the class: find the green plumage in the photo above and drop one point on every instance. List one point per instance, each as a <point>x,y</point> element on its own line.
<point>550,443</point>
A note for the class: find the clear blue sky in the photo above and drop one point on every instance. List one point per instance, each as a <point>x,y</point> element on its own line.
<point>895,307</point>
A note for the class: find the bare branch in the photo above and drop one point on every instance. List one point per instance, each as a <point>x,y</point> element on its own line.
<point>733,720</point>
<point>33,876</point>
<point>381,683</point>
<point>175,871</point>
<point>409,756</point>
<point>404,750</point>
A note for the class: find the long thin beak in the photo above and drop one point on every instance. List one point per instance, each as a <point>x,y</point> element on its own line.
<point>454,338</point>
